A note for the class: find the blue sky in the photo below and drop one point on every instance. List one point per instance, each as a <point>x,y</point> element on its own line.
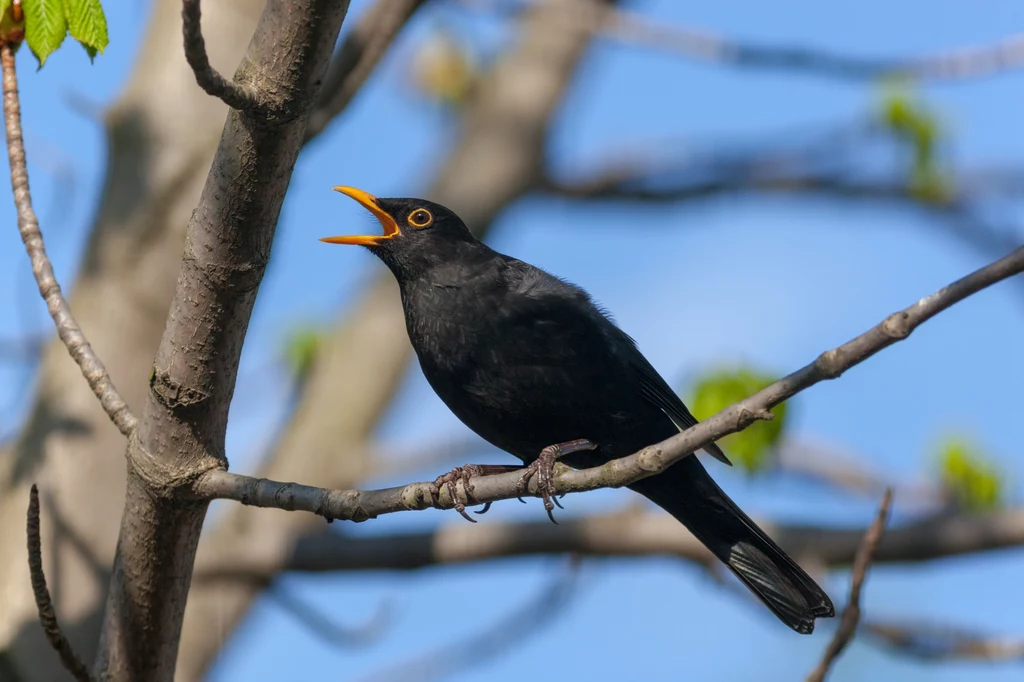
<point>772,282</point>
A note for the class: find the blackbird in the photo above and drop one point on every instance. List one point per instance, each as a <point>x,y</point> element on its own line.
<point>532,365</point>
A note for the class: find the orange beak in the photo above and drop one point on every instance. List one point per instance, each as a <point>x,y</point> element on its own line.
<point>369,202</point>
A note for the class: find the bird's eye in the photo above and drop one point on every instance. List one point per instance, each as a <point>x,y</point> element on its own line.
<point>420,218</point>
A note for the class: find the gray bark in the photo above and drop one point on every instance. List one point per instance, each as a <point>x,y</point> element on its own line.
<point>162,132</point>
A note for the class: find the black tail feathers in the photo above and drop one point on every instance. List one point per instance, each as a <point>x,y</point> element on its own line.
<point>688,493</point>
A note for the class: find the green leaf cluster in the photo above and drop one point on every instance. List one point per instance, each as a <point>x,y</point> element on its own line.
<point>48,22</point>
<point>975,483</point>
<point>718,389</point>
<point>919,128</point>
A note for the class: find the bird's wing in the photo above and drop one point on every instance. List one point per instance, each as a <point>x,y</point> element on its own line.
<point>539,285</point>
<point>657,391</point>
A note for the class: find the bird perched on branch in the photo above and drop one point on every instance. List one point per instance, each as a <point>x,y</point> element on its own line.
<point>534,367</point>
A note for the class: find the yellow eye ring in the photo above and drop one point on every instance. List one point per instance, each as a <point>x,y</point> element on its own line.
<point>420,218</point>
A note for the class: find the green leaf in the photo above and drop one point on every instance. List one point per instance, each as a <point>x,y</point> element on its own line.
<point>975,483</point>
<point>302,348</point>
<point>45,26</point>
<point>87,24</point>
<point>918,128</point>
<point>721,388</point>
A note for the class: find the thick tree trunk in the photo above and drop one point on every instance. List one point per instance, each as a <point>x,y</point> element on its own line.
<point>162,133</point>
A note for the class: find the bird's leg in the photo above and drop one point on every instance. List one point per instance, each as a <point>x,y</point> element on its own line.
<point>544,469</point>
<point>464,473</point>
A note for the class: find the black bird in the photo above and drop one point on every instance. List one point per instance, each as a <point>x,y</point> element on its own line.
<point>532,365</point>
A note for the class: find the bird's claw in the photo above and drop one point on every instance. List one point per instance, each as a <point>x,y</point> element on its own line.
<point>544,469</point>
<point>450,482</point>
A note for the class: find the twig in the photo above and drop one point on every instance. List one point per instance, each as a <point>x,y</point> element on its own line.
<point>358,505</point>
<point>47,616</point>
<point>323,627</point>
<point>931,642</point>
<point>235,95</point>
<point>497,639</point>
<point>28,225</point>
<point>825,464</point>
<point>357,57</point>
<point>851,614</point>
<point>633,27</point>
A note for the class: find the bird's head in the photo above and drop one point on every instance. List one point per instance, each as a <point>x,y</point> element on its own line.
<point>417,233</point>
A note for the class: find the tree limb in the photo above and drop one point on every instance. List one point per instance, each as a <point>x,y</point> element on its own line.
<point>632,27</point>
<point>240,96</point>
<point>627,533</point>
<point>323,628</point>
<point>930,642</point>
<point>356,505</point>
<point>357,57</point>
<point>47,616</point>
<point>526,621</point>
<point>851,614</point>
<point>28,225</point>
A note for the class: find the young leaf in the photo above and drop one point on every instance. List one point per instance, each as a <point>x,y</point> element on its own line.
<point>302,348</point>
<point>716,390</point>
<point>45,26</point>
<point>88,24</point>
<point>976,483</point>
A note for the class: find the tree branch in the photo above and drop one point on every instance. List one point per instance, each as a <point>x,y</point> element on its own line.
<point>627,533</point>
<point>357,57</point>
<point>828,465</point>
<point>851,614</point>
<point>635,28</point>
<point>526,621</point>
<point>47,616</point>
<point>929,642</point>
<point>238,96</point>
<point>28,225</point>
<point>356,505</point>
<point>323,628</point>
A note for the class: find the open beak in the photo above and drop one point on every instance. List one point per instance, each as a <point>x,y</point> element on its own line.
<point>369,202</point>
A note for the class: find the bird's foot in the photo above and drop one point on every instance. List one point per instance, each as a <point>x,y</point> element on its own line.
<point>544,469</point>
<point>464,474</point>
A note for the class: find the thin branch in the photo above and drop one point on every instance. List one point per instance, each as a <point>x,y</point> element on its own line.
<point>236,95</point>
<point>357,57</point>
<point>524,622</point>
<point>47,616</point>
<point>930,642</point>
<point>826,464</point>
<point>633,27</point>
<point>358,505</point>
<point>851,614</point>
<point>28,225</point>
<point>326,629</point>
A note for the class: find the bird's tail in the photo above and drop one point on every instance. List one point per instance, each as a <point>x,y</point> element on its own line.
<point>688,493</point>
